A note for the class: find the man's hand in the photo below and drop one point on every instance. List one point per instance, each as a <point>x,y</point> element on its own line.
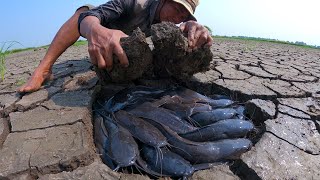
<point>103,43</point>
<point>198,35</point>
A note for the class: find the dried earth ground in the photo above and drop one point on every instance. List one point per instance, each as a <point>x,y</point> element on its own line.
<point>48,134</point>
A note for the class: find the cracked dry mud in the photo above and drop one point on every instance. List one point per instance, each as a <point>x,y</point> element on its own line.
<point>48,134</point>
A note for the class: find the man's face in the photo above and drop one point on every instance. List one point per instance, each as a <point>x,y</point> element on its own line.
<point>173,12</point>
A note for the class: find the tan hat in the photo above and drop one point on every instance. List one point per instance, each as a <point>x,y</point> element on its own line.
<point>190,5</point>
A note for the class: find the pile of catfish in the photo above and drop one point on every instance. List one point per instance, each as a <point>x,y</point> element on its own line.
<point>169,132</point>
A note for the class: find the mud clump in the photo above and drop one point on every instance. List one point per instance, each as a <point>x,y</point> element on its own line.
<point>169,56</point>
<point>139,56</point>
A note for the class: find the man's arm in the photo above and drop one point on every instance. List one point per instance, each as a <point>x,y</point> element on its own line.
<point>104,42</point>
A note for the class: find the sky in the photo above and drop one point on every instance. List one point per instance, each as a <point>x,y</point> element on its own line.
<point>34,23</point>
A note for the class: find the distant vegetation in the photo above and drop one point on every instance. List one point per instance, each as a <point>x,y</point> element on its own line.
<point>80,43</point>
<point>297,43</point>
<point>209,29</point>
<point>4,51</point>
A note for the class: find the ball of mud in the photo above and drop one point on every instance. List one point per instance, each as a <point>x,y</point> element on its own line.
<point>171,55</point>
<point>139,56</point>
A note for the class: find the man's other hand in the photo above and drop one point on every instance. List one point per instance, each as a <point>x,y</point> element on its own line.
<point>198,35</point>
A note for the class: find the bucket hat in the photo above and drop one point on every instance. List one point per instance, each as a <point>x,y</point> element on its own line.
<point>190,5</point>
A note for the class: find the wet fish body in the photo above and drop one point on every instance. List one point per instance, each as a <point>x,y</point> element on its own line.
<point>102,141</point>
<point>205,152</point>
<point>225,129</point>
<point>122,147</point>
<point>210,152</point>
<point>163,116</point>
<point>188,97</point>
<point>240,112</point>
<point>141,129</point>
<point>130,97</point>
<point>209,117</point>
<point>169,163</point>
<point>184,111</point>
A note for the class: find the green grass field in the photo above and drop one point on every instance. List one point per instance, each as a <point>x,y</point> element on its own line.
<point>4,51</point>
<point>78,43</point>
<point>2,63</point>
<point>266,40</point>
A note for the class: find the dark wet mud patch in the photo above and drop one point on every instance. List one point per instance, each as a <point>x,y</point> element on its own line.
<point>243,171</point>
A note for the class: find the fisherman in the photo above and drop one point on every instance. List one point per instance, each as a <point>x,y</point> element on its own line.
<point>105,25</point>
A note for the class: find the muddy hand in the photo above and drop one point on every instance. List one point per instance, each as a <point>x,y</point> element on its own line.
<point>103,43</point>
<point>198,35</point>
<point>34,83</point>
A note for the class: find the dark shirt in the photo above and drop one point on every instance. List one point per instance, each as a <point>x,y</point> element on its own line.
<point>124,15</point>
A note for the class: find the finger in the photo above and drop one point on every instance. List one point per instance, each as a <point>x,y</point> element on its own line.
<point>108,59</point>
<point>100,60</point>
<point>119,52</point>
<point>209,41</point>
<point>124,35</point>
<point>191,34</point>
<point>93,59</point>
<point>183,27</point>
<point>201,40</point>
<point>198,34</point>
<point>92,54</point>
